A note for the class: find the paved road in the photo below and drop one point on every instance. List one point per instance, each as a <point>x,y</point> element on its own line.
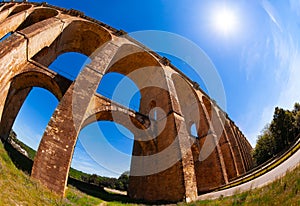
<point>261,181</point>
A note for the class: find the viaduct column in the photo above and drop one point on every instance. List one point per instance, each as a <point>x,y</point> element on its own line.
<point>233,169</point>
<point>185,146</point>
<point>215,131</point>
<point>236,147</point>
<point>169,169</point>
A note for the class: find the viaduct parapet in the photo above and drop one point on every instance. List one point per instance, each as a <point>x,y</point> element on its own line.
<point>168,162</point>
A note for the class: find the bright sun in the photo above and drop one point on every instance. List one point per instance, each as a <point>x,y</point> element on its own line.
<point>225,21</point>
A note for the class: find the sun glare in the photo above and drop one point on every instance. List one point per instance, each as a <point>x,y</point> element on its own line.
<point>225,21</point>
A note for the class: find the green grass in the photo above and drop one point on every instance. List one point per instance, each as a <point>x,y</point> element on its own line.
<point>285,191</point>
<point>17,188</point>
<point>78,198</point>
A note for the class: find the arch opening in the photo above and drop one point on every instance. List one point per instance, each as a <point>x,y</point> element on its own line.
<point>29,124</point>
<point>146,72</point>
<point>18,90</point>
<point>103,139</point>
<point>121,89</point>
<point>193,130</point>
<point>69,64</point>
<point>103,153</point>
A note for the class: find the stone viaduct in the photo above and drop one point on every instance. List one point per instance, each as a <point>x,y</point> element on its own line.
<point>165,163</point>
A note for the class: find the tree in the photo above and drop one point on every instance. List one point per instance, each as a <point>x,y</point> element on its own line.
<point>282,128</point>
<point>123,181</point>
<point>296,113</point>
<point>296,107</point>
<point>93,179</point>
<point>12,135</point>
<point>265,147</point>
<point>279,135</point>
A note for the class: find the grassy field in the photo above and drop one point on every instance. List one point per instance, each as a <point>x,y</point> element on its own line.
<point>285,191</point>
<point>17,188</point>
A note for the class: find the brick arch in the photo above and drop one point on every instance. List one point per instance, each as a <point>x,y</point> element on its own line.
<point>7,6</point>
<point>20,86</point>
<point>146,72</point>
<point>44,79</point>
<point>12,17</point>
<point>106,113</point>
<point>129,58</point>
<point>190,104</point>
<point>19,9</point>
<point>37,15</point>
<point>101,108</point>
<point>136,123</point>
<point>207,103</point>
<point>79,36</point>
<point>133,121</point>
<point>225,145</point>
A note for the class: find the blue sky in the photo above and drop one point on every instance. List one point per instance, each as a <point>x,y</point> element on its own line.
<point>255,49</point>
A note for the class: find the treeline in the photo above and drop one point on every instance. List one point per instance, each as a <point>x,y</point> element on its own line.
<point>279,135</point>
<point>120,183</point>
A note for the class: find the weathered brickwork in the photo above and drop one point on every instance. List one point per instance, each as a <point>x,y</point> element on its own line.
<point>168,162</point>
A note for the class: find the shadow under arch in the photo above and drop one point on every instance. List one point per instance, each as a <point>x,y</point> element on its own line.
<point>79,36</point>
<point>7,6</point>
<point>24,17</point>
<point>38,15</point>
<point>19,9</point>
<point>190,105</point>
<point>20,87</point>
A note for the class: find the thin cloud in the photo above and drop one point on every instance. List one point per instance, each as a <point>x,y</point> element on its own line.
<point>283,64</point>
<point>271,12</point>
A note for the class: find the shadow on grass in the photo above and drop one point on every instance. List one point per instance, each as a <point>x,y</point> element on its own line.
<point>20,161</point>
<point>99,192</point>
